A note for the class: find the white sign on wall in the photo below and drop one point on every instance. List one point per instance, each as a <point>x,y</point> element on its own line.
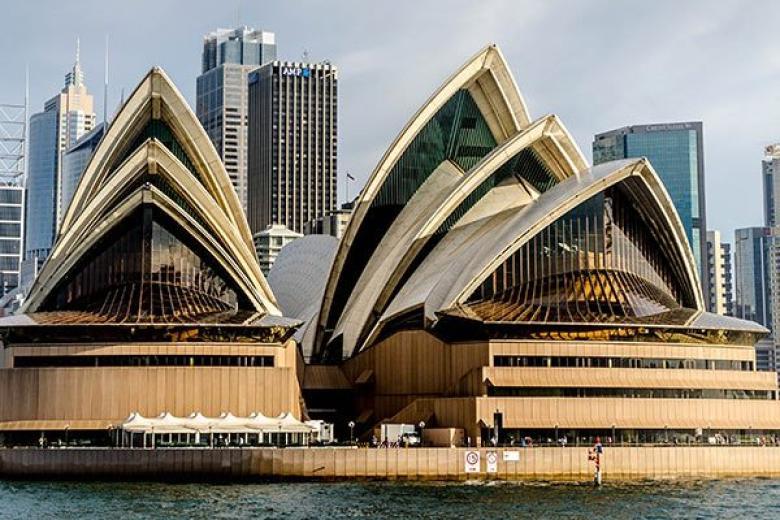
<point>492,461</point>
<point>511,456</point>
<point>472,462</point>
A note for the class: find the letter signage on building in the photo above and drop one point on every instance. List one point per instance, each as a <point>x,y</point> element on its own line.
<point>472,462</point>
<point>303,72</point>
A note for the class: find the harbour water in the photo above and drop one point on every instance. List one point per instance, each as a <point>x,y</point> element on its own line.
<point>707,499</point>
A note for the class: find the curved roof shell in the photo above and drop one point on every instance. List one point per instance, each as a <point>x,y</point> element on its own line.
<point>512,175</point>
<point>298,279</point>
<point>156,155</point>
<point>465,185</point>
<point>476,109</point>
<point>473,251</point>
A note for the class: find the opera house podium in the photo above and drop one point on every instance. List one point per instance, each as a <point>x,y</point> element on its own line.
<point>152,300</point>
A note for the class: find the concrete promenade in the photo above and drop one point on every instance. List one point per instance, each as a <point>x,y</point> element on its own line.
<point>534,464</point>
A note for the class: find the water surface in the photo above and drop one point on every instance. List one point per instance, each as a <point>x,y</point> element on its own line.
<point>724,499</point>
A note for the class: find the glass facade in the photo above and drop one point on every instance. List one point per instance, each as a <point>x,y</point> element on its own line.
<point>145,270</point>
<point>293,152</point>
<point>74,161</point>
<point>642,393</point>
<point>172,360</point>
<point>222,104</point>
<point>616,362</point>
<point>770,170</point>
<point>243,45</point>
<point>65,118</point>
<point>752,290</point>
<point>11,227</point>
<point>42,182</point>
<point>598,263</point>
<point>676,153</point>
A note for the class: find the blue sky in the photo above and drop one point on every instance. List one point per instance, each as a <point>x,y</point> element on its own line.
<point>597,64</point>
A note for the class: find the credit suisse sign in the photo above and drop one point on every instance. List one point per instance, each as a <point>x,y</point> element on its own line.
<point>303,72</point>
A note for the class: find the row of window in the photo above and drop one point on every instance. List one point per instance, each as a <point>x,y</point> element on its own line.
<point>142,361</point>
<point>10,195</point>
<point>10,230</point>
<point>656,393</point>
<point>13,213</point>
<point>617,362</point>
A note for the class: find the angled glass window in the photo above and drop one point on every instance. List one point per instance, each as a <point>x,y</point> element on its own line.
<point>157,129</point>
<point>600,262</point>
<point>459,133</point>
<point>146,269</point>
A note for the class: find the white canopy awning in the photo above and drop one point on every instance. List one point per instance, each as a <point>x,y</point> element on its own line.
<point>225,423</point>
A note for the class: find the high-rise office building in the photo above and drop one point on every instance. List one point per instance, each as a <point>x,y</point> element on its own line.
<point>770,170</point>
<point>719,268</point>
<point>11,234</point>
<point>728,277</point>
<point>13,139</point>
<point>221,98</point>
<point>75,160</point>
<point>676,152</point>
<point>752,295</point>
<point>766,355</point>
<point>65,118</point>
<point>770,173</point>
<point>293,149</point>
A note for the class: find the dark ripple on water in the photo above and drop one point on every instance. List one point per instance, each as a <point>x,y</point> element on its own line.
<point>724,499</point>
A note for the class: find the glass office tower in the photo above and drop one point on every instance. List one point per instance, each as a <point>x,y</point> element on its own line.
<point>75,161</point>
<point>65,118</point>
<point>221,98</point>
<point>752,300</point>
<point>293,132</point>
<point>676,152</point>
<point>41,182</point>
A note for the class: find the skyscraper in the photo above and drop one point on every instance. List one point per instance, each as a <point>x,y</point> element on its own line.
<point>65,118</point>
<point>752,295</point>
<point>676,152</point>
<point>728,277</point>
<point>221,104</point>
<point>293,144</point>
<point>770,173</point>
<point>75,160</point>
<point>719,268</point>
<point>13,138</point>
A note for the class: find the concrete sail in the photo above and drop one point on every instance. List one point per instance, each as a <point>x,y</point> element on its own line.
<point>161,171</point>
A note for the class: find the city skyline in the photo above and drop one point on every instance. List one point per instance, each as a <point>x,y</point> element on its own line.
<point>665,84</point>
<point>508,240</point>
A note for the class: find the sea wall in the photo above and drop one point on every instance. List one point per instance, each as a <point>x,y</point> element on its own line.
<point>534,464</point>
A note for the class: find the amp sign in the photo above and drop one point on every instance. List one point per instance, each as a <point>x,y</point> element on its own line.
<point>302,72</point>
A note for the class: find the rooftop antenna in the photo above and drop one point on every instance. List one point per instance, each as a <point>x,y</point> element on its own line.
<point>238,14</point>
<point>105,87</point>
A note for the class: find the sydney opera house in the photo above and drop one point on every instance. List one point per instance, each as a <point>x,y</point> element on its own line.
<point>488,280</point>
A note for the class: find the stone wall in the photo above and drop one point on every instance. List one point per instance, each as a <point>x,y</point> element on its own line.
<point>537,464</point>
